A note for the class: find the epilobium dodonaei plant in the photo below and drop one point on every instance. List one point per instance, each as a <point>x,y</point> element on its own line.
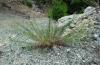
<point>43,36</point>
<point>32,34</point>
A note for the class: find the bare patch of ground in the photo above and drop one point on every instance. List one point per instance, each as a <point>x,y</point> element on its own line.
<point>18,7</point>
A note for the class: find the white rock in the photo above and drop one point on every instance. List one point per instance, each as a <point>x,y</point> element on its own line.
<point>13,35</point>
<point>79,56</point>
<point>64,20</point>
<point>95,35</point>
<point>66,32</point>
<point>89,9</point>
<point>68,50</point>
<point>72,25</point>
<point>87,12</point>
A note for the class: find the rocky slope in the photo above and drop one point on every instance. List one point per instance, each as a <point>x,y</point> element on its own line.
<point>72,54</point>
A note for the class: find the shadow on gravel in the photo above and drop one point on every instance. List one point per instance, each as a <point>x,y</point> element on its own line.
<point>1,54</point>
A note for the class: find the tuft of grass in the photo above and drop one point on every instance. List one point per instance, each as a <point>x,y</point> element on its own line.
<point>39,36</point>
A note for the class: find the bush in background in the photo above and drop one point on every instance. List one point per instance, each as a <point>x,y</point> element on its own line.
<point>75,6</point>
<point>57,9</point>
<point>78,6</point>
<point>45,2</point>
<point>27,2</point>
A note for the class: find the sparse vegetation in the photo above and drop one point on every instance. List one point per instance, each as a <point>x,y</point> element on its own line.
<point>46,36</point>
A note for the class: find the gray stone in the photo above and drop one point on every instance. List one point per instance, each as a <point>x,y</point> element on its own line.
<point>87,12</point>
<point>64,20</point>
<point>89,8</point>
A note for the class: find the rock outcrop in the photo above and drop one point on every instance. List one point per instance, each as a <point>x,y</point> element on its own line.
<point>89,14</point>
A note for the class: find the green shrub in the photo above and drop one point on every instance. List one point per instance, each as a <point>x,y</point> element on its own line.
<point>75,1</point>
<point>80,5</point>
<point>27,2</point>
<point>48,2</point>
<point>45,36</point>
<point>57,9</point>
<point>77,6</point>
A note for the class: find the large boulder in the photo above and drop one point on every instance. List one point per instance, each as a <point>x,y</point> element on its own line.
<point>89,9</point>
<point>90,16</point>
<point>87,12</point>
<point>85,18</point>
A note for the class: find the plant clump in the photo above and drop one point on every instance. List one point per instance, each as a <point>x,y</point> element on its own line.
<point>49,36</point>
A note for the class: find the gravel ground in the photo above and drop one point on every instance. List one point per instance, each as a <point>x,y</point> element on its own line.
<point>16,55</point>
<point>72,54</point>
